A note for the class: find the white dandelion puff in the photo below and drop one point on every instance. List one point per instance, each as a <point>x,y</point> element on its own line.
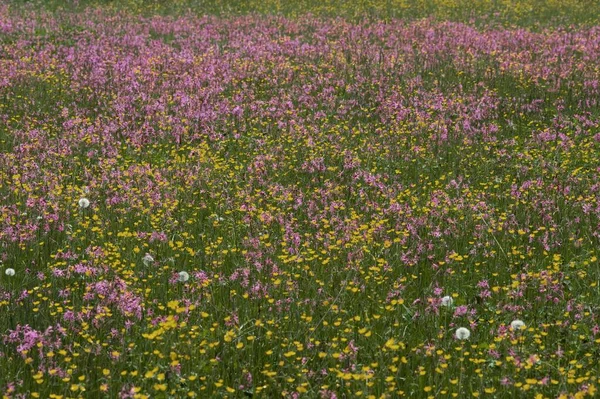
<point>463,333</point>
<point>9,272</point>
<point>517,324</point>
<point>447,301</point>
<point>84,203</point>
<point>183,276</point>
<point>148,259</point>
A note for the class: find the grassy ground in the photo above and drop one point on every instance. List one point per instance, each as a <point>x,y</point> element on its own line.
<point>524,13</point>
<point>294,205</point>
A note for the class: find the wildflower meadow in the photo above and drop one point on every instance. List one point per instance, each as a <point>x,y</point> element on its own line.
<point>299,199</point>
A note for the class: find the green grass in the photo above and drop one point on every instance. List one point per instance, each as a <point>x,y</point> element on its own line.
<point>532,14</point>
<point>352,224</point>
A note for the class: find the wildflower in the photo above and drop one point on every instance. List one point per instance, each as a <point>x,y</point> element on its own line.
<point>148,259</point>
<point>447,301</point>
<point>461,311</point>
<point>84,203</point>
<point>9,272</point>
<point>184,276</point>
<point>517,324</point>
<point>463,333</point>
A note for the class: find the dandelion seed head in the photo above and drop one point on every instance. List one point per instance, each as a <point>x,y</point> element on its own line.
<point>517,324</point>
<point>184,276</point>
<point>447,301</point>
<point>84,203</point>
<point>463,333</point>
<point>148,259</point>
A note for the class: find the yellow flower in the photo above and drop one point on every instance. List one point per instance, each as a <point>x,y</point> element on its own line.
<point>160,387</point>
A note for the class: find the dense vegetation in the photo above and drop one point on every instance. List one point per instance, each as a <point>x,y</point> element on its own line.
<point>268,201</point>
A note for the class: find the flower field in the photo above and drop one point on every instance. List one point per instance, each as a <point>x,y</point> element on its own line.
<point>300,205</point>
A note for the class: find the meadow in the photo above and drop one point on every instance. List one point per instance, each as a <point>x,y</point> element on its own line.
<point>330,199</point>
